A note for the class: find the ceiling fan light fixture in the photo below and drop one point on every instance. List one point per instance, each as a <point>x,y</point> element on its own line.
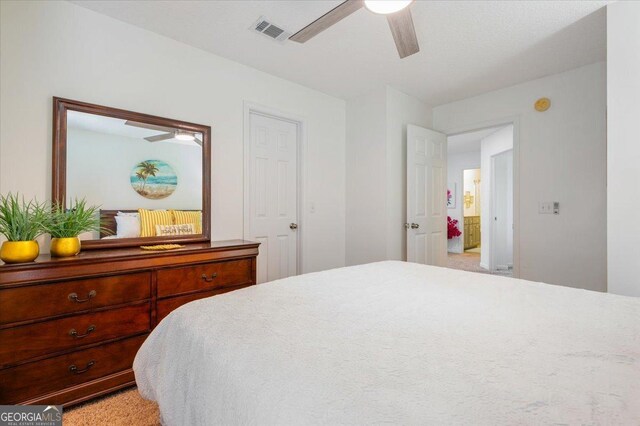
<point>386,7</point>
<point>184,136</point>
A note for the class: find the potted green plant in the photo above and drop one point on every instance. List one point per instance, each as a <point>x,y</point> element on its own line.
<point>21,223</point>
<point>65,225</point>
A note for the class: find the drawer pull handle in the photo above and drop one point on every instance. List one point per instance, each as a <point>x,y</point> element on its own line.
<point>75,370</point>
<point>74,297</point>
<point>73,333</point>
<point>209,279</point>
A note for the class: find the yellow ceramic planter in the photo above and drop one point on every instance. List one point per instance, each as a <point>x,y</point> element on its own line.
<point>19,251</point>
<point>65,247</point>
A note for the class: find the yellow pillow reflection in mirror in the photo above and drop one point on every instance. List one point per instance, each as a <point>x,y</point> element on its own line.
<point>182,217</point>
<point>150,218</point>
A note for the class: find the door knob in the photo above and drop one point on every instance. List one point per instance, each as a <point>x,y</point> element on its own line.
<point>407,226</point>
<point>293,226</point>
<point>415,226</point>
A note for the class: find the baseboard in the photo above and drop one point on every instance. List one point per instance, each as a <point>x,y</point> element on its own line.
<point>484,266</point>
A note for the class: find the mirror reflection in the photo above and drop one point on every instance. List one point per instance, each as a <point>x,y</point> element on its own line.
<point>147,179</point>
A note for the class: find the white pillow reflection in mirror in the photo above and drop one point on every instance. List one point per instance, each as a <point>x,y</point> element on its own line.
<point>167,230</point>
<point>127,226</point>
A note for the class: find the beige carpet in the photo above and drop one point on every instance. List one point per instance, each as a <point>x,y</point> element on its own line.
<point>125,408</point>
<point>470,262</point>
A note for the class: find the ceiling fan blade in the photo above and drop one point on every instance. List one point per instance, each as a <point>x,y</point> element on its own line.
<point>335,15</point>
<point>159,138</point>
<point>198,141</point>
<point>149,126</point>
<point>404,33</point>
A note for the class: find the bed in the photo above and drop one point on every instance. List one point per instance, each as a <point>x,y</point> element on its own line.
<point>399,343</point>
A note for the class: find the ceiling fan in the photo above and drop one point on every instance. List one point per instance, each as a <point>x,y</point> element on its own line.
<point>171,133</point>
<point>397,12</point>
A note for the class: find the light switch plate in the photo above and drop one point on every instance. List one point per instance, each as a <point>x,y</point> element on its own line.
<point>545,207</point>
<point>548,207</point>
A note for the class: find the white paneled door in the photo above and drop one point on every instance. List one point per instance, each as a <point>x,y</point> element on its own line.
<point>272,195</point>
<point>426,225</point>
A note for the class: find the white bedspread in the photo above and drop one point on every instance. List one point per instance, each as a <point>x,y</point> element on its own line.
<point>398,343</point>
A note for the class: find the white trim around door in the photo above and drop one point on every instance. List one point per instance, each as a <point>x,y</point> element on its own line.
<point>300,122</point>
<point>515,121</point>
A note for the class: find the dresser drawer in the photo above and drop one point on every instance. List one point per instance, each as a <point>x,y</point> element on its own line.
<point>187,279</point>
<point>43,338</point>
<point>166,306</point>
<point>54,374</point>
<point>40,301</point>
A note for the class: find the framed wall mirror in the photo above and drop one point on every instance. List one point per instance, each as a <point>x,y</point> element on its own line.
<point>150,176</point>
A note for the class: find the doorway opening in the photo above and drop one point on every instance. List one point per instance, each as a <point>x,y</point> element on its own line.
<point>480,200</point>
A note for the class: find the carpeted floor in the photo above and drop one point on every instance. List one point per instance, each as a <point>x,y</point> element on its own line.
<point>469,261</point>
<point>125,408</point>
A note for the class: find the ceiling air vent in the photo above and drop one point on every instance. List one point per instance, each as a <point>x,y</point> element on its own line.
<point>269,29</point>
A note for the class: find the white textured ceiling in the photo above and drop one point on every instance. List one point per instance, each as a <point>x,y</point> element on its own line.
<point>468,142</point>
<point>466,47</point>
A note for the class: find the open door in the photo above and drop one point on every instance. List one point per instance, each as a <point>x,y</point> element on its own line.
<point>501,225</point>
<point>426,196</point>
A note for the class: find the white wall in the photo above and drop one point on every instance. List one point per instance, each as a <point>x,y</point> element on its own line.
<point>456,165</point>
<point>561,157</point>
<point>623,153</point>
<point>99,167</point>
<point>492,145</point>
<point>376,173</point>
<point>59,49</point>
<point>366,173</point>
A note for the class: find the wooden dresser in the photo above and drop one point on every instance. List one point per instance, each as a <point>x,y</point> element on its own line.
<point>70,328</point>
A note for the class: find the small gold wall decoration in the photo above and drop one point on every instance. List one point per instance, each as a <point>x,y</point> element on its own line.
<point>542,104</point>
<point>468,199</point>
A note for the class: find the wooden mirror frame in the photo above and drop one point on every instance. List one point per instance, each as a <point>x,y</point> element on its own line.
<point>59,168</point>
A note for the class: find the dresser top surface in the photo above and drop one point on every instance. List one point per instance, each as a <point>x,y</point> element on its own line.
<point>46,260</point>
